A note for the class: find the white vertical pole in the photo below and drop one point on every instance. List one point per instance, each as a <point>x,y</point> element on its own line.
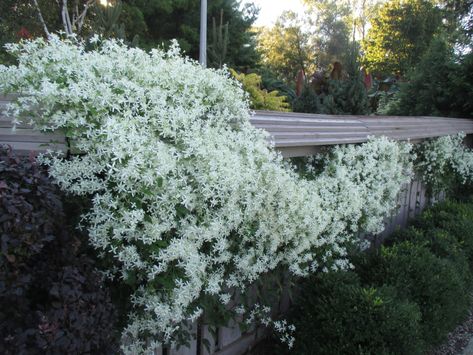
<point>203,33</point>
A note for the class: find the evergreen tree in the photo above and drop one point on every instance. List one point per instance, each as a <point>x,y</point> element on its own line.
<point>219,46</point>
<point>440,85</point>
<point>158,21</point>
<point>347,96</point>
<point>307,102</point>
<point>344,96</point>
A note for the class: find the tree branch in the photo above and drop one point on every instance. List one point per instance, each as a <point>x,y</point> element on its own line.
<point>66,19</point>
<point>41,19</point>
<point>63,15</point>
<point>81,17</point>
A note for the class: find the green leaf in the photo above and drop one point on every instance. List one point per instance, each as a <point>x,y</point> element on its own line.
<point>206,344</point>
<point>160,181</point>
<point>131,279</point>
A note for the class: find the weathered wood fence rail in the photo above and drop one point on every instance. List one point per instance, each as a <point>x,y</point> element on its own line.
<point>294,134</point>
<point>24,138</point>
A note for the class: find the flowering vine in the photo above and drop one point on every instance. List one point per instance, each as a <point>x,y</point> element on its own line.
<point>188,199</point>
<point>444,161</point>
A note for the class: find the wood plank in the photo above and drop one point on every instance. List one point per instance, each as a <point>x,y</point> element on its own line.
<point>403,205</point>
<point>297,134</point>
<point>417,126</point>
<point>36,147</point>
<point>229,334</point>
<point>286,115</point>
<point>318,142</point>
<point>302,130</point>
<point>405,211</point>
<point>28,135</point>
<point>413,199</point>
<point>317,135</point>
<point>191,350</point>
<point>244,344</point>
<point>206,334</point>
<point>6,123</point>
<point>304,121</point>
<point>9,97</point>
<point>309,128</point>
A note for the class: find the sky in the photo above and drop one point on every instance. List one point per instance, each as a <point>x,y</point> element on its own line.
<point>271,9</point>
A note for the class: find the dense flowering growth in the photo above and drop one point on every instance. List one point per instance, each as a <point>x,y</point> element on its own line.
<point>444,159</point>
<point>370,174</point>
<point>189,200</point>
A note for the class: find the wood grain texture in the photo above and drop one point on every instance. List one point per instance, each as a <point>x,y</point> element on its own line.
<point>294,134</point>
<point>22,138</point>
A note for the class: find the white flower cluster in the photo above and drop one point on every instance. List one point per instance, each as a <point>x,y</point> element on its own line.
<point>188,198</point>
<point>444,158</point>
<point>371,175</point>
<point>262,315</point>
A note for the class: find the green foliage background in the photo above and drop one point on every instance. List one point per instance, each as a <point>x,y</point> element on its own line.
<point>401,32</point>
<point>261,99</point>
<point>152,22</point>
<point>159,21</point>
<point>440,85</point>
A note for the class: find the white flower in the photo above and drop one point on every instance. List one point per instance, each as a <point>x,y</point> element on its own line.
<point>440,158</point>
<point>186,194</point>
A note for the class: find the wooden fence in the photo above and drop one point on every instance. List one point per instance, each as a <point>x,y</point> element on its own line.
<point>24,138</point>
<point>294,135</point>
<point>298,134</point>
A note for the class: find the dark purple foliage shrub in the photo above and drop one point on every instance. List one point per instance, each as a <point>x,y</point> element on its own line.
<point>52,300</point>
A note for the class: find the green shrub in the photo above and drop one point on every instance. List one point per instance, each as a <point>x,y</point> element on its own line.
<point>437,285</point>
<point>334,314</point>
<point>261,99</point>
<point>348,96</point>
<point>440,85</point>
<point>401,298</point>
<point>442,244</point>
<point>454,218</point>
<point>307,102</point>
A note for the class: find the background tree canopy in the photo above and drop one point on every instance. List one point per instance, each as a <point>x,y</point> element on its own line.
<point>331,27</point>
<point>152,22</point>
<point>440,85</point>
<point>285,47</point>
<point>390,39</point>
<point>158,21</point>
<point>401,32</point>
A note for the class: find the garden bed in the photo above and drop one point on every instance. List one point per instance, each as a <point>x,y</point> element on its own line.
<point>410,296</point>
<point>189,209</point>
